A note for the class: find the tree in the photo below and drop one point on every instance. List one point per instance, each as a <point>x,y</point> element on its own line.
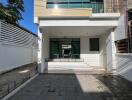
<point>3,11</point>
<point>12,11</point>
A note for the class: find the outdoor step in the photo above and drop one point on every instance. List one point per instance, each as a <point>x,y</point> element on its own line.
<point>67,60</point>
<point>73,67</point>
<point>75,71</point>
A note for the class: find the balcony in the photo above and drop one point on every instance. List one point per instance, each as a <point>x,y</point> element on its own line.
<point>77,9</point>
<point>97,6</point>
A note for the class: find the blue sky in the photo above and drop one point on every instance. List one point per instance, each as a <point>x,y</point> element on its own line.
<point>28,16</point>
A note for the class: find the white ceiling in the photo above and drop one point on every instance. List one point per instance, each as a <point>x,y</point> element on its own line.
<point>76,31</point>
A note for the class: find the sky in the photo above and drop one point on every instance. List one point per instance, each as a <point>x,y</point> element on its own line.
<point>28,16</point>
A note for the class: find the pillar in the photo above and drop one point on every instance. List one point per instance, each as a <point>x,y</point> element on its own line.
<point>40,52</point>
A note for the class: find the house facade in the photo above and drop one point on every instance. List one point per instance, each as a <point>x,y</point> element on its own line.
<point>74,34</point>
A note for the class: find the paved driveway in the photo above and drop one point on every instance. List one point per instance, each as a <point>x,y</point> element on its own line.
<point>75,87</point>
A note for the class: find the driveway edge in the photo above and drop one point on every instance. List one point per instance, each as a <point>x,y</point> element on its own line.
<point>19,88</point>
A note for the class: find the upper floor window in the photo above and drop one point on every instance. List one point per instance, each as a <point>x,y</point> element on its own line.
<point>96,5</point>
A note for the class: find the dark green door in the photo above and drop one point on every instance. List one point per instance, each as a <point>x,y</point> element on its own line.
<point>75,49</point>
<point>54,49</point>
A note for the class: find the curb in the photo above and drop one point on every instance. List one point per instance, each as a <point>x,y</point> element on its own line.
<point>19,88</point>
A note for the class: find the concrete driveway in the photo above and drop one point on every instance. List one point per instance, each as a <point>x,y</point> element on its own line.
<point>75,87</point>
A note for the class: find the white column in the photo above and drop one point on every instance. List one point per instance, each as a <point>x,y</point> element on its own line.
<point>45,51</point>
<point>40,53</point>
<point>111,50</point>
<point>113,53</point>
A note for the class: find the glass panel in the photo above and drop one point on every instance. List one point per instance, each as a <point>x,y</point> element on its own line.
<point>57,1</point>
<point>101,7</point>
<point>62,0</point>
<point>96,5</point>
<point>50,6</point>
<point>54,50</point>
<point>51,0</point>
<point>75,5</point>
<point>87,5</point>
<point>75,0</point>
<point>76,49</point>
<point>57,5</point>
<point>64,48</point>
<point>62,6</point>
<point>86,0</point>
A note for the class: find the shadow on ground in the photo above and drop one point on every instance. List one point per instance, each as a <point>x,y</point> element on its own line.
<point>75,87</point>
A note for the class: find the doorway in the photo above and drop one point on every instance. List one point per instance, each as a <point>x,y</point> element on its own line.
<point>64,48</point>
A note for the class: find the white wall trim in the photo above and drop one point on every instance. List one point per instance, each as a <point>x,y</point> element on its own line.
<point>36,20</point>
<point>105,15</point>
<point>113,23</point>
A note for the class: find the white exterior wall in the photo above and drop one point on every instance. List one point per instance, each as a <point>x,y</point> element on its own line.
<point>14,54</point>
<point>90,57</point>
<point>88,22</point>
<point>120,30</point>
<point>40,64</point>
<point>99,59</point>
<point>43,52</point>
<point>46,45</point>
<point>103,56</point>
<point>110,53</point>
<point>12,57</point>
<point>117,34</point>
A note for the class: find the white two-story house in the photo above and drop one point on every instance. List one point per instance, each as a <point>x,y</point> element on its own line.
<point>79,34</point>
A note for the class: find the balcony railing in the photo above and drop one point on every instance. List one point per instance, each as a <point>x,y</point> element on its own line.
<point>97,6</point>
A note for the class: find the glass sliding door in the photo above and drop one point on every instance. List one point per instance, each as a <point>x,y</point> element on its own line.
<point>65,48</point>
<point>75,49</point>
<point>54,49</point>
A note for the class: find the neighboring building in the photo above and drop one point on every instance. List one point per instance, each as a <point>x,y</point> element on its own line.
<point>124,47</point>
<point>18,46</point>
<point>81,31</point>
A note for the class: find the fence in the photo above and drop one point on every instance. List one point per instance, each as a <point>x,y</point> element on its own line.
<point>18,46</point>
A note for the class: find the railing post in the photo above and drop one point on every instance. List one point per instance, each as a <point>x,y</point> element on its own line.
<point>8,88</point>
<point>14,84</point>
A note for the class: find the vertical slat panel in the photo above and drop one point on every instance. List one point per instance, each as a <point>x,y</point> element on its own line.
<point>107,5</point>
<point>129,4</point>
<point>0,31</point>
<point>14,35</point>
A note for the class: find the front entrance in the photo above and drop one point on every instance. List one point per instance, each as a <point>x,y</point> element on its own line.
<point>64,48</point>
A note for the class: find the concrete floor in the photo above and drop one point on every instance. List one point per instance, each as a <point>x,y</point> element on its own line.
<point>75,87</point>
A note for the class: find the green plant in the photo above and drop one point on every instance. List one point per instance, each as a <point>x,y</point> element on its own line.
<point>12,12</point>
